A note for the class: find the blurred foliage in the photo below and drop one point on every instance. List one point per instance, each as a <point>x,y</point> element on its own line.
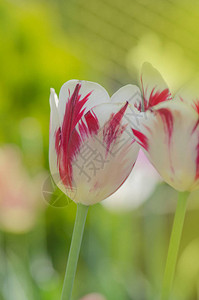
<point>43,44</point>
<point>34,56</point>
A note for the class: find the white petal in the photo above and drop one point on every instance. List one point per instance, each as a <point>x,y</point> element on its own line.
<point>189,94</point>
<point>170,137</point>
<point>54,117</point>
<point>154,88</point>
<point>54,125</point>
<point>128,93</point>
<point>98,95</point>
<point>132,194</point>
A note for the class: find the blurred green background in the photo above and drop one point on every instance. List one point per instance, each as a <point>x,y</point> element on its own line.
<point>44,44</point>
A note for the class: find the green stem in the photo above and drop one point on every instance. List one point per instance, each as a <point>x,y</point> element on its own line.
<point>74,251</point>
<point>174,245</point>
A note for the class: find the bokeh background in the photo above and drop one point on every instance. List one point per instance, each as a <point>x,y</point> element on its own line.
<point>43,44</point>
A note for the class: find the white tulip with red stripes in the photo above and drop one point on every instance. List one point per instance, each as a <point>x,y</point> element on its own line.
<point>168,129</point>
<point>91,149</point>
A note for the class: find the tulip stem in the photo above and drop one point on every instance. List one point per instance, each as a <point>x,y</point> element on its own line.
<point>74,251</point>
<point>174,245</point>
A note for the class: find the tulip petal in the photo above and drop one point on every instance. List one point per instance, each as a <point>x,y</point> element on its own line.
<point>54,128</point>
<point>167,137</point>
<point>54,116</point>
<point>100,154</point>
<point>154,88</point>
<point>54,125</point>
<point>77,97</point>
<point>128,93</point>
<point>75,100</point>
<point>189,94</point>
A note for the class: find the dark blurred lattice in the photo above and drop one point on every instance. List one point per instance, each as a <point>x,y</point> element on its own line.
<point>105,30</point>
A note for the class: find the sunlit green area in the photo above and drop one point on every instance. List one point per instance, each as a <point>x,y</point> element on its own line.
<point>44,44</point>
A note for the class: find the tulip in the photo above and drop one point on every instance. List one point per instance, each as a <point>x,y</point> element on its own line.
<point>168,133</point>
<point>91,150</point>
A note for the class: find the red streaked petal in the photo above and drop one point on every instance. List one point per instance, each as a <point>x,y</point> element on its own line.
<point>68,139</point>
<point>157,97</point>
<point>172,144</point>
<point>196,105</point>
<point>98,95</point>
<point>154,88</point>
<point>92,122</point>
<point>106,158</point>
<point>100,154</point>
<point>141,139</point>
<point>73,113</point>
<point>167,119</point>
<point>113,128</point>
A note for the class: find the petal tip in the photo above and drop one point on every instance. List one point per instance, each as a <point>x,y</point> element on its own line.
<point>53,97</point>
<point>147,67</point>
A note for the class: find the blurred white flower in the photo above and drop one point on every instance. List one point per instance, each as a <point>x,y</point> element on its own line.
<point>137,188</point>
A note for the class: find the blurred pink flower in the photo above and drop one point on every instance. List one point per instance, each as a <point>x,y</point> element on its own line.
<point>20,195</point>
<point>93,297</point>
